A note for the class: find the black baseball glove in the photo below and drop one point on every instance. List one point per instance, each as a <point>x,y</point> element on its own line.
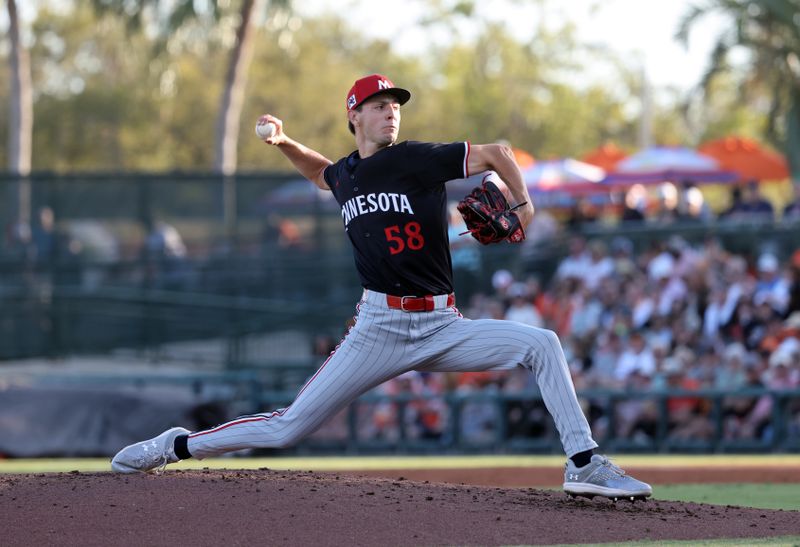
<point>488,216</point>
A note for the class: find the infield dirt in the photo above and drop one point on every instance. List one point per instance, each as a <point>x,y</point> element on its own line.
<point>265,507</point>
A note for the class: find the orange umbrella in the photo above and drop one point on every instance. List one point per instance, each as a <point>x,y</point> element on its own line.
<point>748,158</point>
<point>524,159</point>
<point>606,156</point>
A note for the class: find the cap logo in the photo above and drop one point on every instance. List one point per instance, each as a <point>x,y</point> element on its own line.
<point>351,101</point>
<point>383,84</point>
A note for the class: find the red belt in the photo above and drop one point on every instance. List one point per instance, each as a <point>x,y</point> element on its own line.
<point>417,303</point>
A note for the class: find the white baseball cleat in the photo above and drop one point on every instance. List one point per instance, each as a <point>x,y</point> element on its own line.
<point>148,455</point>
<point>602,478</point>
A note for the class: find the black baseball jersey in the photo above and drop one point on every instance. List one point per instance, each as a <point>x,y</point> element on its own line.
<point>394,209</point>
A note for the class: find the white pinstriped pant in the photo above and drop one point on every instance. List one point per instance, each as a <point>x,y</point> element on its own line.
<point>385,343</point>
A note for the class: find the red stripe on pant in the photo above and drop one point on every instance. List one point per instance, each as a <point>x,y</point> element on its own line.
<point>276,413</point>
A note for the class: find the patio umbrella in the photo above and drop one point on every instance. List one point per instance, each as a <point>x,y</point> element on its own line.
<point>746,157</point>
<point>564,175</point>
<point>524,159</point>
<point>606,156</point>
<point>668,163</point>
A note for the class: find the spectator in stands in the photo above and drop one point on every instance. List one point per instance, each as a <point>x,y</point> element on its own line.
<point>582,213</point>
<point>736,208</point>
<point>738,408</point>
<point>622,255</point>
<point>164,241</point>
<point>637,417</point>
<point>791,212</point>
<point>521,308</point>
<point>600,265</point>
<point>748,204</point>
<point>636,357</point>
<point>586,310</point>
<point>602,373</point>
<point>731,375</point>
<point>525,416</point>
<point>669,288</point>
<point>382,423</point>
<point>640,301</point>
<point>687,415</point>
<point>794,282</point>
<point>501,281</point>
<point>634,203</point>
<point>45,238</point>
<point>772,287</point>
<point>478,418</point>
<point>692,206</point>
<point>716,315</point>
<point>641,340</point>
<point>17,241</point>
<point>576,262</point>
<point>165,254</point>
<point>757,423</point>
<point>756,207</point>
<point>429,411</point>
<point>666,210</point>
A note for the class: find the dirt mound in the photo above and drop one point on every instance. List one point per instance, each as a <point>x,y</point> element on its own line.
<point>266,507</point>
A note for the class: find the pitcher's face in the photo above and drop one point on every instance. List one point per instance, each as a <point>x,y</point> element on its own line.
<point>379,119</point>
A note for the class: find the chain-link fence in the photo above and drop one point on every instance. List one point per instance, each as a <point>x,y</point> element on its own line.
<point>93,262</point>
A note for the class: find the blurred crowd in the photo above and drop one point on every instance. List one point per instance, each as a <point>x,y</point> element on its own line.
<point>675,316</point>
<point>683,203</point>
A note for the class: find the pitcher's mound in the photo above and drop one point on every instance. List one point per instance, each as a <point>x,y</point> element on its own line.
<point>264,507</point>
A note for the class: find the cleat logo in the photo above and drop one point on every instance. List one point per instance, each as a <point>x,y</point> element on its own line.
<point>573,477</point>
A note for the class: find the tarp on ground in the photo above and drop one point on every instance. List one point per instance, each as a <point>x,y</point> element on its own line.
<point>51,421</point>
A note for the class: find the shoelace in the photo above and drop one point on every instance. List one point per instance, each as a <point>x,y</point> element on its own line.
<point>615,468</point>
<point>162,466</point>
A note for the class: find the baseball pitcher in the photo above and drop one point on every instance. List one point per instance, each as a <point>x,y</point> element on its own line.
<point>394,211</point>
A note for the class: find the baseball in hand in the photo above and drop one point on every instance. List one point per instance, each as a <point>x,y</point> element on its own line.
<point>265,129</point>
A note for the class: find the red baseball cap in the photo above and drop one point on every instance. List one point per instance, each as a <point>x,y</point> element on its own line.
<point>371,85</point>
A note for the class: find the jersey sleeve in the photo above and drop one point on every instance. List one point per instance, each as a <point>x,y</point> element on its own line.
<point>437,163</point>
<point>329,174</point>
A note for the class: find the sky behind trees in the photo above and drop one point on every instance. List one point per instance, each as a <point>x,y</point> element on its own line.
<point>544,75</point>
<point>641,32</point>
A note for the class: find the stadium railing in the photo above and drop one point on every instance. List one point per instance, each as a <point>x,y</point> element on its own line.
<point>519,423</point>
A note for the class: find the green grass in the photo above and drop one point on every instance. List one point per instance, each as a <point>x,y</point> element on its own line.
<point>786,541</point>
<point>355,463</point>
<point>771,496</point>
<point>762,496</point>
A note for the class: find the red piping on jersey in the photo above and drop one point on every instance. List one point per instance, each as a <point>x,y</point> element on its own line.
<point>280,413</point>
<point>466,161</point>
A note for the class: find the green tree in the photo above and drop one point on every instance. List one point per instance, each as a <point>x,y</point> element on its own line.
<point>20,118</point>
<point>528,94</point>
<point>305,85</point>
<point>20,115</point>
<point>168,18</point>
<point>100,104</point>
<point>770,32</point>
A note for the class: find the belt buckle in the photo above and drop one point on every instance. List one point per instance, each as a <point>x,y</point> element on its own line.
<point>403,303</point>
